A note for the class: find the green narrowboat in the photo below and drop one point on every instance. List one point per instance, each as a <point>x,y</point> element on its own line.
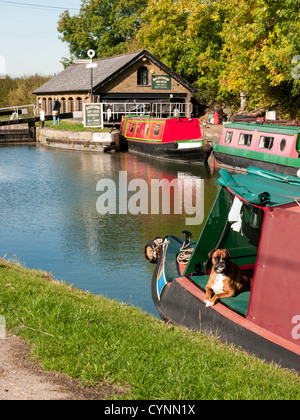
<point>270,146</point>
<point>262,235</point>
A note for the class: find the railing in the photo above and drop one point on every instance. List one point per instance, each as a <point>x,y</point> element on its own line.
<point>113,111</point>
<point>14,111</point>
<point>171,109</point>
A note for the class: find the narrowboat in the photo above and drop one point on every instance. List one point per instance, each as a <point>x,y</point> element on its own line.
<point>176,138</point>
<point>270,146</point>
<point>256,216</point>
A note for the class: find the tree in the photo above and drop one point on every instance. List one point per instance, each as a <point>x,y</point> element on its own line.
<point>184,34</point>
<point>103,25</point>
<point>260,38</point>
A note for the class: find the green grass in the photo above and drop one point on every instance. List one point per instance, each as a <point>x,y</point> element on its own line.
<point>73,126</point>
<point>92,338</point>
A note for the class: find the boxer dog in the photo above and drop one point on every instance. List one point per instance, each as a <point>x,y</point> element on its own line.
<point>226,279</point>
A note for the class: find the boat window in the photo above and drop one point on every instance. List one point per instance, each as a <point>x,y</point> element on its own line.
<point>266,142</point>
<point>156,129</point>
<point>147,126</point>
<point>282,145</point>
<point>228,137</point>
<point>245,139</point>
<point>138,128</point>
<point>131,128</point>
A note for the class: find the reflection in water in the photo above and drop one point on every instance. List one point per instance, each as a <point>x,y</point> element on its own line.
<point>50,221</point>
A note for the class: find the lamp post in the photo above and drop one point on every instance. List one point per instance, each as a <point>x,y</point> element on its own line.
<point>91,65</point>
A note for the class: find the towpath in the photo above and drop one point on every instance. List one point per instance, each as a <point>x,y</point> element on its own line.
<point>21,379</point>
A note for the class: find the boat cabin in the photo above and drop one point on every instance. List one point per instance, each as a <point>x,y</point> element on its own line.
<point>269,146</point>
<point>160,130</point>
<point>257,217</point>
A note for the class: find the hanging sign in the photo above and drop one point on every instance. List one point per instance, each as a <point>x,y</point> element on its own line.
<point>93,115</point>
<point>161,82</point>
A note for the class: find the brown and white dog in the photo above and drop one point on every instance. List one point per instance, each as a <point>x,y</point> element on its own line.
<point>226,279</point>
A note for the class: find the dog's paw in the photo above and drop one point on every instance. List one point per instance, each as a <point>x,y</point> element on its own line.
<point>208,303</point>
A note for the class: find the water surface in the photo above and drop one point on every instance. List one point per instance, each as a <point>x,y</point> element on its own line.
<point>50,221</point>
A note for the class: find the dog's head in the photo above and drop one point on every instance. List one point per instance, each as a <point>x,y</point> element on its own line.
<point>220,259</point>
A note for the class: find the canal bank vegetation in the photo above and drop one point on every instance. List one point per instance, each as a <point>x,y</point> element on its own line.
<point>75,126</point>
<point>18,91</point>
<point>225,48</point>
<point>99,340</point>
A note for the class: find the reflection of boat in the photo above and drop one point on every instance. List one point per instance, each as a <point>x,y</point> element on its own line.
<point>270,146</point>
<point>177,139</point>
<point>265,320</point>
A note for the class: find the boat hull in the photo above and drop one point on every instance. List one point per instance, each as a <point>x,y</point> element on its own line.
<point>226,160</point>
<point>171,152</point>
<point>182,302</point>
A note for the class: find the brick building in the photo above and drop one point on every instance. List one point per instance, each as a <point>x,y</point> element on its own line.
<point>132,82</point>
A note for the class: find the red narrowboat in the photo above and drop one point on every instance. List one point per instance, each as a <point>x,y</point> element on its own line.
<point>256,216</point>
<point>176,139</point>
<point>270,146</point>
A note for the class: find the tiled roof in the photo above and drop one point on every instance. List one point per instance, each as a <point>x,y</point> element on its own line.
<point>77,77</point>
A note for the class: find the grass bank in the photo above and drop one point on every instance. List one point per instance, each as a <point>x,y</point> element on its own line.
<point>92,338</point>
<point>74,126</point>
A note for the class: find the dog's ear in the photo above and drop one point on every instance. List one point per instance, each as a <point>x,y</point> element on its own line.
<point>211,252</point>
<point>228,253</point>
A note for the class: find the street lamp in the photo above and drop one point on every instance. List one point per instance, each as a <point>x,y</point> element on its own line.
<point>91,65</point>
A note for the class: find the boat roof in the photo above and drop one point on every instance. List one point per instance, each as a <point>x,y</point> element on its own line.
<point>265,127</point>
<point>262,188</point>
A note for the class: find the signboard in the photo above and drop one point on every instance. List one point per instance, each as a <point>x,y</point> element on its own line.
<point>91,66</point>
<point>161,82</point>
<point>93,115</point>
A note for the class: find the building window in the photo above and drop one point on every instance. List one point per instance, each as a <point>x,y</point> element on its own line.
<point>44,106</point>
<point>266,142</point>
<point>63,105</point>
<point>79,104</point>
<point>245,139</point>
<point>142,76</point>
<point>49,105</point>
<point>71,105</point>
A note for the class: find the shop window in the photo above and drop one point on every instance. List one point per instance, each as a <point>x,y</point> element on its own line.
<point>142,76</point>
<point>245,139</point>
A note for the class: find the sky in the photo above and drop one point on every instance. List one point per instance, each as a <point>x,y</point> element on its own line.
<point>29,40</point>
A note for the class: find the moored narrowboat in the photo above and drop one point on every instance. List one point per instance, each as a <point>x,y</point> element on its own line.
<point>270,146</point>
<point>176,139</point>
<point>256,217</point>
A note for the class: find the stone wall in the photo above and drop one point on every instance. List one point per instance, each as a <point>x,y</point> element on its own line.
<point>78,140</point>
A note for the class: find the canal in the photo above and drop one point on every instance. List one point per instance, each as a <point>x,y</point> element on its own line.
<point>51,205</point>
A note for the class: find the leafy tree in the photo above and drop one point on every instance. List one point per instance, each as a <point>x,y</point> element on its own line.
<point>185,36</point>
<point>18,91</point>
<point>260,38</point>
<point>103,25</point>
